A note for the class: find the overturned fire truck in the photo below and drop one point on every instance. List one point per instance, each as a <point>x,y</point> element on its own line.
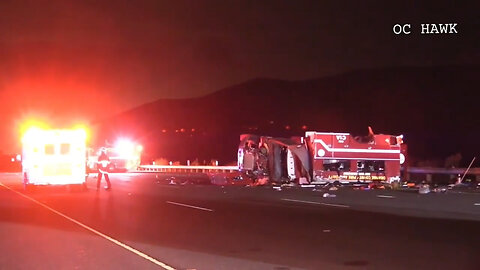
<point>322,157</point>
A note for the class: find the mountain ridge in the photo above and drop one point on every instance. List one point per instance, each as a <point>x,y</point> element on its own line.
<point>422,102</point>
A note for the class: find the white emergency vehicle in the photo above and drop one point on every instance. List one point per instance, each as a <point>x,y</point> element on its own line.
<point>54,157</point>
<point>125,156</point>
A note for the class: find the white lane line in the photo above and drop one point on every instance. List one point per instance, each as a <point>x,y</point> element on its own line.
<point>167,186</point>
<point>125,246</point>
<point>191,206</point>
<point>477,204</point>
<point>319,203</point>
<point>386,196</point>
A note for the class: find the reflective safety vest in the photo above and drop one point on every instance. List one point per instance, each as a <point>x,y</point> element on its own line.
<point>103,162</point>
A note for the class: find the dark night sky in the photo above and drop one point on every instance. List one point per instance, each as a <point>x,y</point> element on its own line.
<point>64,60</point>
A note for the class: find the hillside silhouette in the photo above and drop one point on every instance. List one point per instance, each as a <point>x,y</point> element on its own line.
<point>436,108</point>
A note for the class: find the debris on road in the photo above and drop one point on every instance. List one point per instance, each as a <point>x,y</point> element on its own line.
<point>375,185</point>
<point>424,189</point>
<point>218,179</point>
<point>370,186</point>
<point>410,185</point>
<point>440,189</point>
<point>238,178</point>
<point>261,181</point>
<point>289,185</point>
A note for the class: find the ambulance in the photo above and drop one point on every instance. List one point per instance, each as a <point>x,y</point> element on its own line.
<point>54,157</point>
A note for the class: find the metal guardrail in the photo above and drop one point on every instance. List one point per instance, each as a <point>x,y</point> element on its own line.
<point>441,174</point>
<point>425,170</point>
<point>224,169</point>
<point>186,169</point>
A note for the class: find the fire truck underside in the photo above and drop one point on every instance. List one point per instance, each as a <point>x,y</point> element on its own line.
<point>281,160</point>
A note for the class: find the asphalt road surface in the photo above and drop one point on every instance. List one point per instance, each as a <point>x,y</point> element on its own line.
<point>145,223</point>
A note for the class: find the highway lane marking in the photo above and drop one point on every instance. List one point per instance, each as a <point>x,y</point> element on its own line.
<point>477,204</point>
<point>111,239</point>
<point>319,203</point>
<point>168,186</point>
<point>191,206</point>
<point>386,196</point>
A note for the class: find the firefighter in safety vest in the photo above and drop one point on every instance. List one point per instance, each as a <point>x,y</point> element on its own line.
<point>103,162</point>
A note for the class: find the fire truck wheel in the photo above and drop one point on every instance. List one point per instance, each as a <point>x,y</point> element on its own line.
<point>395,185</point>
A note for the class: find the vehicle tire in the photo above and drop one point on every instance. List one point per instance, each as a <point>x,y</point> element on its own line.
<point>395,185</point>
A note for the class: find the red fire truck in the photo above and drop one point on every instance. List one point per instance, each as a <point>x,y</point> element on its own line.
<point>124,156</point>
<point>346,158</point>
<point>322,157</point>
